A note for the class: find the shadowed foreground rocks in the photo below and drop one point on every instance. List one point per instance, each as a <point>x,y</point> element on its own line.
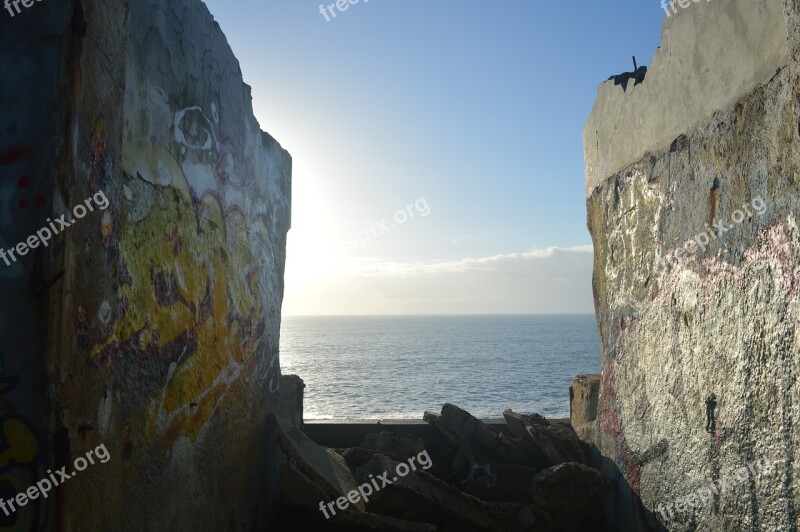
<point>531,474</point>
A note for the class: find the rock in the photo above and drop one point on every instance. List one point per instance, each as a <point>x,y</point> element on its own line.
<point>312,473</point>
<point>568,497</point>
<point>422,497</point>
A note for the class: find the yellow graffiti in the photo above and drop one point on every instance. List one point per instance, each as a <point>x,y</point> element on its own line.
<point>22,447</point>
<point>193,275</point>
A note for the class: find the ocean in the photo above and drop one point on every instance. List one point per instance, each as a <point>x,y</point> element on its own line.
<point>396,367</point>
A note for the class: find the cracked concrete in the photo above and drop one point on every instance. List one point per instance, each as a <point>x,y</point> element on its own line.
<point>724,320</point>
<point>157,331</point>
<point>743,44</point>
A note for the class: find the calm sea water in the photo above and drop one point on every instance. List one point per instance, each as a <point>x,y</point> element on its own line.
<point>398,367</point>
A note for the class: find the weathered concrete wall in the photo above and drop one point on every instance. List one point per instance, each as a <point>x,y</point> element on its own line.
<point>679,326</point>
<point>160,341</point>
<point>30,86</point>
<point>741,43</point>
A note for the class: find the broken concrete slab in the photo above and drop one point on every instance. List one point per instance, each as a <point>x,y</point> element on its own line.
<point>559,443</point>
<point>314,473</point>
<point>398,444</point>
<point>368,522</point>
<point>293,518</point>
<point>430,417</point>
<point>477,441</point>
<point>358,456</point>
<point>517,422</point>
<point>568,497</point>
<point>546,443</point>
<point>500,483</point>
<point>298,489</point>
<point>422,497</point>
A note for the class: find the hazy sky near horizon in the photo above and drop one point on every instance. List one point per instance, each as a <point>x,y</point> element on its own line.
<point>437,146</point>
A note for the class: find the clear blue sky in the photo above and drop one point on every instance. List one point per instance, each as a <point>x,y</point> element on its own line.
<point>478,107</point>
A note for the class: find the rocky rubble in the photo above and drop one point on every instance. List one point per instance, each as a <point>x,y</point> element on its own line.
<point>531,474</point>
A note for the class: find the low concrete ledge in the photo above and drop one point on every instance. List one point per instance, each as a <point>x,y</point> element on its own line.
<point>343,433</point>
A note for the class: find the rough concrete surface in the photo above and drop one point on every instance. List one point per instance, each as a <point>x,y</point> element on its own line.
<point>677,327</point>
<point>584,395</point>
<point>743,43</point>
<point>152,326</point>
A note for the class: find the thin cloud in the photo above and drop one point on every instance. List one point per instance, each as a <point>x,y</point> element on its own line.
<point>551,280</point>
<point>372,267</point>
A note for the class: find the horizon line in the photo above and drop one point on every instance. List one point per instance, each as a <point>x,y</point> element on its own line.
<point>435,315</point>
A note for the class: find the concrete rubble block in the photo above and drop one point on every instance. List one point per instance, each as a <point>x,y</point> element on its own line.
<point>559,443</point>
<point>312,473</point>
<point>584,398</point>
<point>500,483</point>
<point>460,421</point>
<point>478,442</point>
<point>430,417</point>
<point>358,456</point>
<point>368,522</point>
<point>292,518</point>
<point>422,497</point>
<point>401,444</point>
<point>568,497</point>
<point>518,426</point>
<point>546,443</point>
<point>461,457</point>
<point>517,422</point>
<point>298,489</point>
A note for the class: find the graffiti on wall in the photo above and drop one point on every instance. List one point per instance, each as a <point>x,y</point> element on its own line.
<point>21,459</point>
<point>195,131</point>
<point>11,156</point>
<point>192,278</point>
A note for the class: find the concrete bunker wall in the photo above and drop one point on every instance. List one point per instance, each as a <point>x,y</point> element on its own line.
<point>712,53</point>
<point>710,136</point>
<point>152,326</point>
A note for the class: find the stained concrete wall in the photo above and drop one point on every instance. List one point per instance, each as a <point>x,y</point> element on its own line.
<point>712,53</point>
<point>30,108</point>
<point>680,322</point>
<point>151,327</point>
